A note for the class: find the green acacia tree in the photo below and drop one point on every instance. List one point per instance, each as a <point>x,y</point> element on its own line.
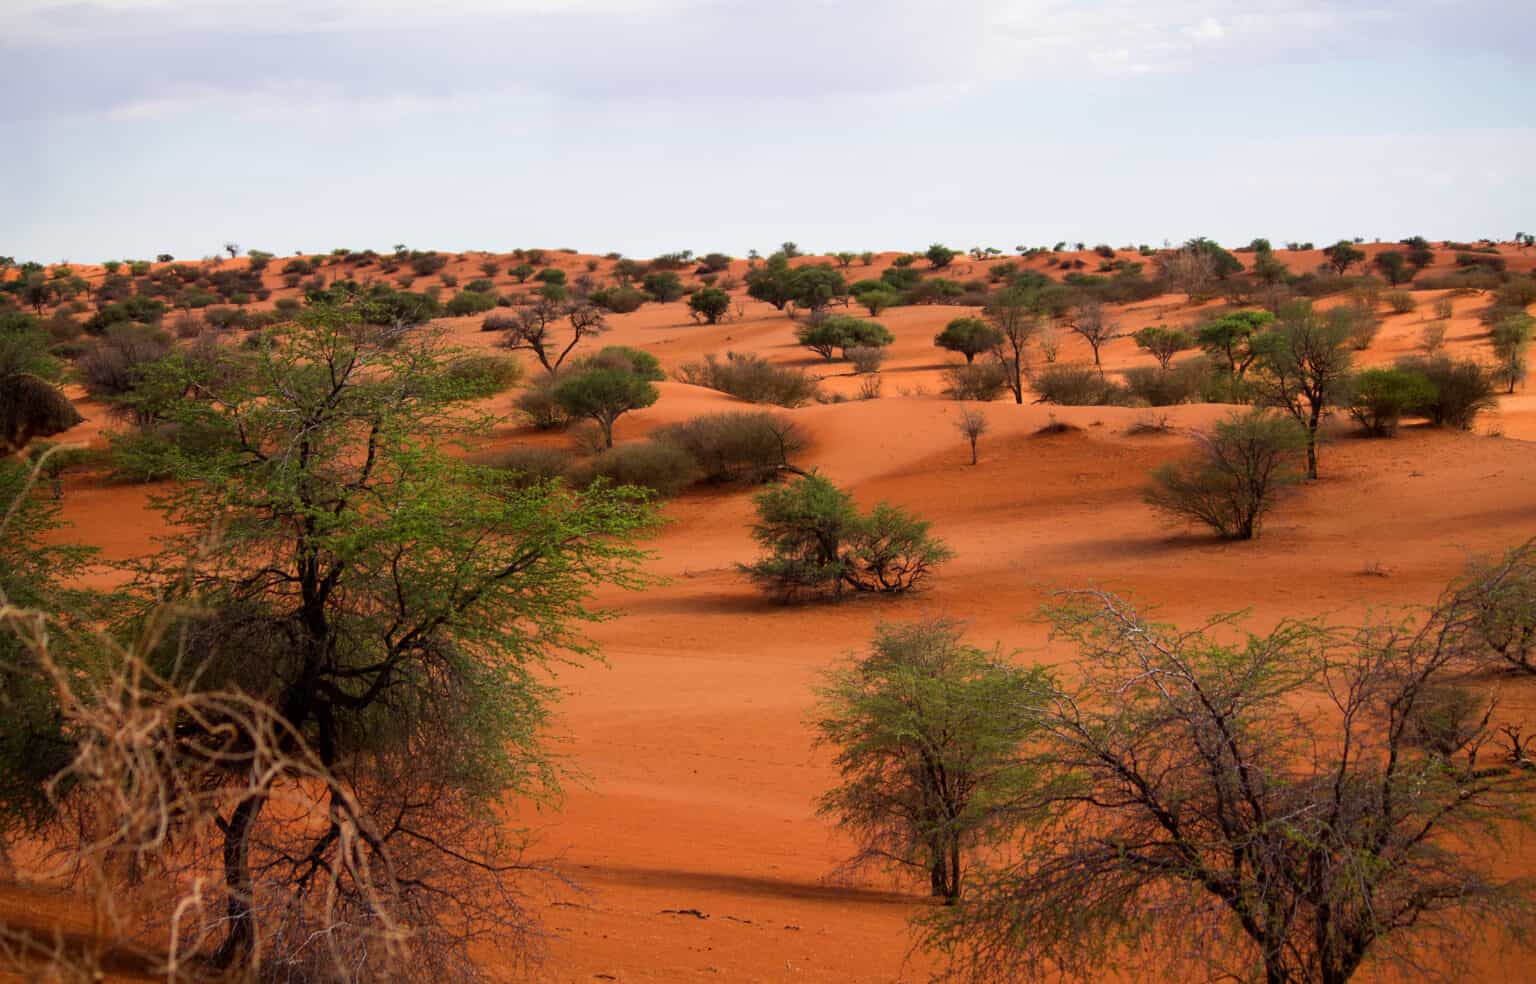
<point>399,609</point>
<point>603,392</point>
<point>927,732</point>
<point>1289,807</point>
<point>969,336</point>
<point>1304,365</point>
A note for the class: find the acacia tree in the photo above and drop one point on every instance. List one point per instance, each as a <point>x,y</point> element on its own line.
<point>1241,467</point>
<point>1342,255</point>
<point>1229,338</point>
<point>603,392</point>
<point>534,328</point>
<point>1090,323</point>
<point>1015,315</point>
<point>1163,342</point>
<point>970,337</point>
<point>1285,806</point>
<point>1304,363</point>
<point>927,731</point>
<point>397,608</point>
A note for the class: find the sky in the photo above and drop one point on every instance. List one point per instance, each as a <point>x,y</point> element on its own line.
<point>138,127</point>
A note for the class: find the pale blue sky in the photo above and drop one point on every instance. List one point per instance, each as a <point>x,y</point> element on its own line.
<point>135,127</point>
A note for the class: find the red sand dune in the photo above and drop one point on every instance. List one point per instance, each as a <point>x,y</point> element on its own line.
<point>697,771</point>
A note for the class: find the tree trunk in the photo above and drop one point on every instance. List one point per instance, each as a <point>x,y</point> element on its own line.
<point>240,939</point>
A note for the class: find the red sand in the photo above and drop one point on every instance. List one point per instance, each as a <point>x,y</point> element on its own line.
<point>697,772</point>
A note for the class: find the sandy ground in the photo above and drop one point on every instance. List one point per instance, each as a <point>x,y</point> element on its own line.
<point>696,773</point>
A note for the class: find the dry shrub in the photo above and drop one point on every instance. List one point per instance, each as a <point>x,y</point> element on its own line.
<point>739,446</point>
<point>751,378</point>
<point>659,466</point>
<point>981,382</point>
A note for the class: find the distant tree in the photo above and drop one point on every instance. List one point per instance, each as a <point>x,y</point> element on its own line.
<point>1280,807</point>
<point>534,327</point>
<point>604,393</point>
<point>1267,268</point>
<point>664,286</point>
<point>1304,363</point>
<point>824,334</point>
<point>1229,338</point>
<point>233,249</point>
<point>1015,314</point>
<point>972,424</point>
<point>815,287</point>
<point>771,282</point>
<point>1511,340</point>
<point>789,249</point>
<point>970,337</point>
<point>845,259</point>
<point>1239,470</point>
<point>38,291</point>
<point>927,731</point>
<point>940,256</point>
<point>709,304</point>
<point>1163,342</point>
<point>1394,266</point>
<point>522,272</point>
<point>1092,324</point>
<point>1342,255</point>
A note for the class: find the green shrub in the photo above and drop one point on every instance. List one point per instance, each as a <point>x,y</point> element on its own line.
<point>1380,398</point>
<point>737,446</point>
<point>1400,301</point>
<point>1462,390</point>
<point>751,378</point>
<point>940,256</point>
<point>602,393</point>
<point>1163,342</point>
<point>709,304</point>
<point>468,302</point>
<point>663,286</point>
<point>623,357</point>
<point>483,373</point>
<point>1076,386</point>
<point>664,468</point>
<point>619,300</point>
<point>825,334</point>
<point>970,336</point>
<point>815,542</point>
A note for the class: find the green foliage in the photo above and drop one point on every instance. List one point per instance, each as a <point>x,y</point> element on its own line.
<point>1163,342</point>
<point>1462,390</point>
<point>875,296</point>
<point>35,574</point>
<point>604,393</point>
<point>1511,338</point>
<point>824,334</point>
<point>814,287</point>
<point>399,606</point>
<point>940,256</point>
<point>637,361</point>
<point>709,304</point>
<point>468,302</point>
<point>927,732</point>
<point>1342,255</point>
<point>484,374</point>
<point>1379,398</point>
<point>619,300</point>
<point>1303,364</point>
<point>1228,338</point>
<point>771,282</point>
<point>751,378</point>
<point>817,543</point>
<point>663,286</point>
<point>1394,266</point>
<point>970,336</point>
